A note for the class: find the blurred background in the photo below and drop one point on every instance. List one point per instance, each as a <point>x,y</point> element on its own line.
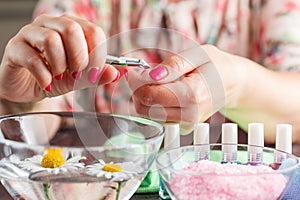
<point>13,15</point>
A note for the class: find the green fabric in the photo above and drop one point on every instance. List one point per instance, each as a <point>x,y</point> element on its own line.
<point>150,184</point>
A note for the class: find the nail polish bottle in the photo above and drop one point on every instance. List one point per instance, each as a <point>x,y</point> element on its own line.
<point>255,138</point>
<point>201,138</point>
<point>171,141</point>
<point>229,142</point>
<point>283,143</point>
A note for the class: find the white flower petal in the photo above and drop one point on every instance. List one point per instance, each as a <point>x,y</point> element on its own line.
<point>129,170</point>
<point>33,164</point>
<point>75,159</point>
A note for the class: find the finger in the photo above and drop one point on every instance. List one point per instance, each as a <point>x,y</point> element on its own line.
<point>110,74</point>
<point>49,44</point>
<point>73,37</point>
<point>96,41</point>
<point>91,77</point>
<point>26,57</point>
<point>169,114</point>
<point>170,69</point>
<point>190,89</point>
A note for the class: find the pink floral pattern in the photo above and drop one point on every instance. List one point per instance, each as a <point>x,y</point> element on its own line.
<point>266,31</point>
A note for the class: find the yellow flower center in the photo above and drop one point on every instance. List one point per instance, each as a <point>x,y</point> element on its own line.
<point>112,168</point>
<point>53,159</point>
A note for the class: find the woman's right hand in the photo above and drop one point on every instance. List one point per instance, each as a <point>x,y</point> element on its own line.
<point>53,56</point>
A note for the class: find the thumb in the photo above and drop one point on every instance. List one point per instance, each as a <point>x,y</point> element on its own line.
<point>170,69</point>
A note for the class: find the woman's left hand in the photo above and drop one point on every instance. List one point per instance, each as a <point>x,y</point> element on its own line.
<point>188,87</point>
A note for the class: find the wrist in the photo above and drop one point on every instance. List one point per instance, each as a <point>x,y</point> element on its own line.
<point>232,71</point>
<point>238,82</point>
<point>48,104</point>
<point>9,107</point>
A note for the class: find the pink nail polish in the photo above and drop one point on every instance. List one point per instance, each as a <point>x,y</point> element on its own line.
<point>158,73</point>
<point>49,87</point>
<point>76,75</point>
<point>117,77</point>
<point>93,74</point>
<point>59,77</point>
<point>126,74</point>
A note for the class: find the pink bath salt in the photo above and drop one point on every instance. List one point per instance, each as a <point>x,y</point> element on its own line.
<point>227,181</point>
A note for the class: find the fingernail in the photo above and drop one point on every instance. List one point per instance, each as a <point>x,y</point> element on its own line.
<point>49,87</point>
<point>158,73</point>
<point>126,74</point>
<point>93,74</point>
<point>117,77</point>
<point>59,77</point>
<point>76,75</point>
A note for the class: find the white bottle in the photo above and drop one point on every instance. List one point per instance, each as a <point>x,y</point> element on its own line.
<point>255,138</point>
<point>171,141</point>
<point>201,139</point>
<point>283,141</point>
<point>172,136</point>
<point>229,142</point>
<point>201,133</point>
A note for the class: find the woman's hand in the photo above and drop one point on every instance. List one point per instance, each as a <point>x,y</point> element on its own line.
<point>191,86</point>
<point>52,56</point>
<point>188,87</point>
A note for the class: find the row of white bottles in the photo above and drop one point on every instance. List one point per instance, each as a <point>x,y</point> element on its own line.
<point>255,141</point>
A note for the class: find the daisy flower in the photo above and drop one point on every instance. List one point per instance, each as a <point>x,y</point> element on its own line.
<point>52,162</point>
<point>114,171</point>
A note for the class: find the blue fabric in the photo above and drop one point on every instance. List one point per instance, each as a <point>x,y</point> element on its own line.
<point>293,190</point>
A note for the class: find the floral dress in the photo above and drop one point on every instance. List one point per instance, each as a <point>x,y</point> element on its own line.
<point>265,31</point>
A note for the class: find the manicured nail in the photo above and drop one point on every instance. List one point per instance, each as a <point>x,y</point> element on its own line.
<point>126,74</point>
<point>49,87</point>
<point>158,73</point>
<point>76,75</point>
<point>59,77</point>
<point>93,74</point>
<point>117,77</point>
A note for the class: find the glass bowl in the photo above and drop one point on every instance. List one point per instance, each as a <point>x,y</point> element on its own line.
<point>200,172</point>
<point>76,155</point>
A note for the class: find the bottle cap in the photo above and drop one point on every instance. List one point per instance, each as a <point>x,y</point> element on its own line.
<point>256,134</point>
<point>172,136</point>
<point>229,133</point>
<point>229,136</point>
<point>201,133</point>
<point>284,137</point>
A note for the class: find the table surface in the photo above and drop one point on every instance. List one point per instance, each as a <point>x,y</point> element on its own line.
<point>5,196</point>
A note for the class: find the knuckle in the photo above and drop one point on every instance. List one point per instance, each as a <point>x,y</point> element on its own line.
<point>176,62</point>
<point>40,18</point>
<point>71,28</point>
<point>145,96</point>
<point>146,100</point>
<point>95,30</point>
<point>52,39</point>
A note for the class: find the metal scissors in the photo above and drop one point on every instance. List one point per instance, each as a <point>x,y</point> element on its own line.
<point>125,61</point>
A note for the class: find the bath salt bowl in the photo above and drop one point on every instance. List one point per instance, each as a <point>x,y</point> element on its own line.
<point>76,155</point>
<point>198,172</point>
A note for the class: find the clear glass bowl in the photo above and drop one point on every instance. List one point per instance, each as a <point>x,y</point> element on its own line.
<point>76,155</point>
<point>198,172</point>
